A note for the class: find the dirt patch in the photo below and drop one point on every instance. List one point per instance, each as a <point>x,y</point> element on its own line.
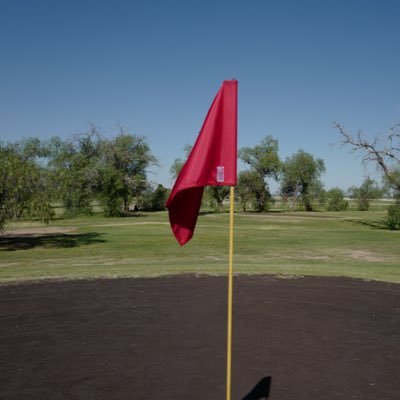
<point>275,217</point>
<point>305,256</point>
<point>272,227</point>
<point>365,255</point>
<point>308,338</point>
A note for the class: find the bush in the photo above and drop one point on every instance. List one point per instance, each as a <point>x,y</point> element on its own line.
<point>393,218</point>
<point>367,191</point>
<point>153,200</point>
<point>335,200</point>
<point>363,204</point>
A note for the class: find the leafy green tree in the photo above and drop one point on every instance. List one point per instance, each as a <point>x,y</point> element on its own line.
<point>390,186</point>
<point>153,200</point>
<point>321,196</point>
<point>112,190</point>
<point>75,167</point>
<point>252,190</point>
<point>33,198</point>
<point>160,196</point>
<point>367,191</point>
<point>31,148</point>
<point>393,217</point>
<point>217,195</point>
<point>263,160</point>
<point>91,167</point>
<point>123,168</point>
<point>178,163</point>
<point>335,200</point>
<point>23,187</point>
<point>301,173</point>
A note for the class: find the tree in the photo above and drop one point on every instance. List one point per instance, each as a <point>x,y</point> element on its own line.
<point>263,160</point>
<point>92,167</point>
<point>123,170</point>
<point>160,196</point>
<point>23,187</point>
<point>153,200</point>
<point>74,165</point>
<point>31,148</point>
<point>335,200</point>
<point>367,191</point>
<point>301,173</point>
<point>178,163</point>
<point>252,190</point>
<point>112,191</point>
<point>393,217</point>
<point>383,151</point>
<point>217,195</point>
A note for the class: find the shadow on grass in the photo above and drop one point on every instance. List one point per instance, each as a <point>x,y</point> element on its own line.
<point>131,214</point>
<point>375,224</point>
<point>211,212</point>
<point>56,240</point>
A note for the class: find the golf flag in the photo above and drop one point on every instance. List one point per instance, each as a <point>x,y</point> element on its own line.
<point>212,162</point>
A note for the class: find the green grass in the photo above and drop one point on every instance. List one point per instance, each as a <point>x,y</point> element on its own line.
<point>352,244</point>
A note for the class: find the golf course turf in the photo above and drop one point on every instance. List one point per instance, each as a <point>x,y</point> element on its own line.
<point>305,338</point>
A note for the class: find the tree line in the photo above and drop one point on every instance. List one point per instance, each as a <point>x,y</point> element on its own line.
<point>89,169</point>
<point>78,172</point>
<point>299,176</point>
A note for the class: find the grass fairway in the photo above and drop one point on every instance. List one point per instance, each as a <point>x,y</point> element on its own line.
<point>352,244</point>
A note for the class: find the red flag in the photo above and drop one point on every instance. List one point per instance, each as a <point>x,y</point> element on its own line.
<point>212,162</point>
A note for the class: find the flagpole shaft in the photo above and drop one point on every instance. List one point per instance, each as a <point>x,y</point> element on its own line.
<point>230,292</point>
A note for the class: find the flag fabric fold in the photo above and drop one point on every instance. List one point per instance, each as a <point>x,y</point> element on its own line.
<point>212,162</point>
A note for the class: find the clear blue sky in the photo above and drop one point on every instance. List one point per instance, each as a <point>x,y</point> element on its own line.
<point>155,66</point>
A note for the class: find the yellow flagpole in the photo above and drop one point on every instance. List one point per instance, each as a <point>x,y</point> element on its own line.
<point>230,292</point>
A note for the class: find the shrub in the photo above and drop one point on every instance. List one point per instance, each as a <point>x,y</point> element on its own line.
<point>335,200</point>
<point>393,217</point>
<point>155,200</point>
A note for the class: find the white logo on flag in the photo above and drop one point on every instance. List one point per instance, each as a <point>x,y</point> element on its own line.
<point>220,174</point>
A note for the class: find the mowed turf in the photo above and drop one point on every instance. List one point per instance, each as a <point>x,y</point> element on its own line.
<point>353,244</point>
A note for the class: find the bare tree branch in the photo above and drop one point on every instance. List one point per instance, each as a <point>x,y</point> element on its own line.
<point>383,151</point>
